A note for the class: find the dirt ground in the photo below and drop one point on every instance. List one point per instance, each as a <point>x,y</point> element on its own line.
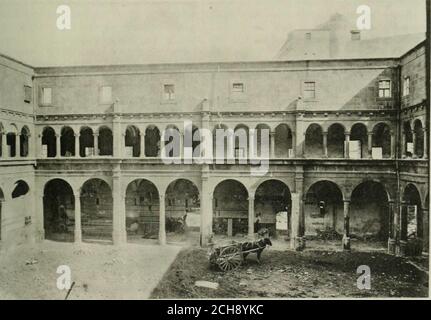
<point>99,271</point>
<point>290,274</point>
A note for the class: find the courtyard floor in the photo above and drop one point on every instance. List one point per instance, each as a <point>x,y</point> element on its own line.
<point>314,273</point>
<point>99,271</point>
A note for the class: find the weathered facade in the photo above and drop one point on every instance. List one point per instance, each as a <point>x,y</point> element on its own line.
<point>348,150</point>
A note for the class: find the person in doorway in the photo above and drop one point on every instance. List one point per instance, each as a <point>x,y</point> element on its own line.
<point>257,221</point>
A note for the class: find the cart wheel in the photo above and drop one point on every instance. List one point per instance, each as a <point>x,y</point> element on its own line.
<point>230,259</point>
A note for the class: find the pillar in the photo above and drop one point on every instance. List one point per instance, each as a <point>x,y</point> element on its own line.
<point>96,144</point>
<point>117,137</point>
<point>40,219</point>
<point>18,145</point>
<point>181,154</point>
<point>414,143</point>
<point>391,238</point>
<point>403,144</point>
<point>347,146</point>
<point>425,229</point>
<point>206,208</point>
<point>392,144</point>
<point>40,145</point>
<point>370,145</point>
<point>325,144</point>
<point>142,144</point>
<point>77,135</point>
<point>402,230</point>
<point>57,145</point>
<point>272,144</point>
<point>162,220</point>
<point>346,233</point>
<point>425,143</point>
<point>78,230</point>
<point>297,215</point>
<point>293,145</point>
<point>251,217</point>
<point>4,148</point>
<point>119,235</point>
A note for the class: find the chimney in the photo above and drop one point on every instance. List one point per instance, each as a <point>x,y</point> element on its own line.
<point>355,35</point>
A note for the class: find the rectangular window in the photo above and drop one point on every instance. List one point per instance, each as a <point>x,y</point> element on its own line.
<point>406,86</point>
<point>106,95</point>
<point>28,94</point>
<point>384,88</point>
<point>308,36</point>
<point>309,91</point>
<point>238,87</point>
<point>46,96</point>
<point>169,91</point>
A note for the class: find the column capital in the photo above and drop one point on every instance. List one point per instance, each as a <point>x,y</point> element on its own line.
<point>77,135</point>
<point>325,133</point>
<point>347,133</point>
<point>250,198</point>
<point>95,134</point>
<point>347,200</point>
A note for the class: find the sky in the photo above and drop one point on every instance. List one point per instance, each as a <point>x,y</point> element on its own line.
<point>164,31</point>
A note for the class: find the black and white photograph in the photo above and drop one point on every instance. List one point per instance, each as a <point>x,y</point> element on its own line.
<point>214,149</point>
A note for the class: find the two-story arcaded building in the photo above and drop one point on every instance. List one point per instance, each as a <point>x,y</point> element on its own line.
<point>81,149</point>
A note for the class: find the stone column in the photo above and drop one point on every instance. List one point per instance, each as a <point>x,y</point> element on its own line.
<point>347,147</point>
<point>206,208</point>
<point>425,229</point>
<point>414,143</point>
<point>18,145</point>
<point>370,145</point>
<point>142,144</point>
<point>4,148</point>
<point>78,230</point>
<point>57,145</point>
<point>325,144</point>
<point>297,217</point>
<point>425,143</point>
<point>402,230</point>
<point>40,146</point>
<point>403,144</point>
<point>272,145</point>
<point>77,135</point>
<point>96,144</point>
<point>293,145</point>
<point>181,154</point>
<point>391,239</point>
<point>39,215</point>
<point>117,137</point>
<point>162,220</point>
<point>119,235</point>
<point>346,234</point>
<point>392,144</point>
<point>251,217</point>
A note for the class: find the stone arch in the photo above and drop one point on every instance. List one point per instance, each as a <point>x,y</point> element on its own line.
<point>182,203</point>
<point>152,141</point>
<point>358,133</point>
<point>283,141</point>
<point>21,189</point>
<point>106,141</point>
<point>230,208</point>
<point>49,146</point>
<point>86,142</point>
<point>369,211</point>
<point>411,214</point>
<point>241,134</point>
<point>382,138</point>
<point>313,144</point>
<point>132,140</point>
<point>323,209</point>
<point>142,210</point>
<point>96,210</point>
<point>336,133</point>
<point>67,142</point>
<point>172,136</point>
<point>59,210</point>
<point>228,138</point>
<point>419,138</point>
<point>272,201</point>
<point>24,141</point>
<point>192,146</point>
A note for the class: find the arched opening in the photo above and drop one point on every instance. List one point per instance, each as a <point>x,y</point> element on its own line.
<point>408,136</point>
<point>86,142</point>
<point>105,142</point>
<point>183,217</point>
<point>411,214</point>
<point>241,141</point>
<point>283,141</point>
<point>262,146</point>
<point>1,207</point>
<point>20,190</point>
<point>172,137</point>
<point>142,210</point>
<point>230,215</point>
<point>192,140</point>
<point>381,141</point>
<point>223,143</point>
<point>369,212</point>
<point>272,202</point>
<point>323,211</point>
<point>67,142</point>
<point>152,141</point>
<point>24,141</point>
<point>49,147</point>
<point>59,211</point>
<point>336,141</point>
<point>96,210</point>
<point>419,143</point>
<point>314,141</point>
<point>132,142</point>
<point>358,147</point>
